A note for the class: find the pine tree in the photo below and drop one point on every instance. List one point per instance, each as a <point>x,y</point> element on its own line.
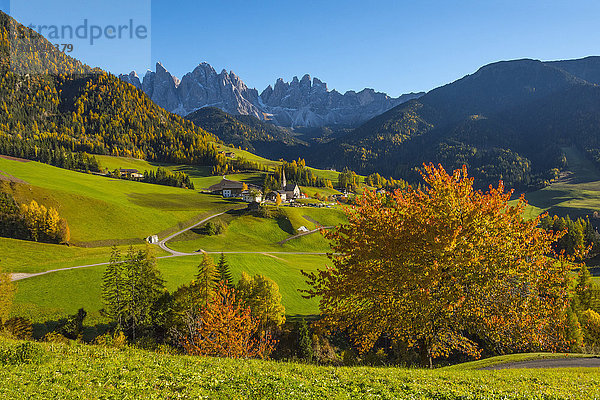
<point>224,272</point>
<point>304,341</point>
<point>113,290</point>
<point>131,287</point>
<point>206,278</point>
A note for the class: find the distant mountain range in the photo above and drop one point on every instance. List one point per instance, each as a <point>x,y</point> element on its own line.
<point>302,102</point>
<point>509,120</point>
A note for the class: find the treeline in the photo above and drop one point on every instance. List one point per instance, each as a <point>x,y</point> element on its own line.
<point>226,166</point>
<point>378,181</point>
<point>31,221</point>
<point>44,153</point>
<point>580,239</point>
<point>298,173</point>
<point>348,179</point>
<point>208,316</point>
<point>163,176</point>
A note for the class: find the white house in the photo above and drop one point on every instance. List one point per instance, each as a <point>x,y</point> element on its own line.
<point>252,196</point>
<point>152,239</point>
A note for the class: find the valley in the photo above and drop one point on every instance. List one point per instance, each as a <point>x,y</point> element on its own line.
<point>95,205</point>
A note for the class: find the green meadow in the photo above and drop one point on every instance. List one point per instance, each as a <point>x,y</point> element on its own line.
<point>103,211</point>
<point>74,371</point>
<point>64,292</point>
<point>106,211</point>
<point>576,193</point>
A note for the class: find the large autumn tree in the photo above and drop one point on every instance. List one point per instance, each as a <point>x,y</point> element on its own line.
<point>446,268</point>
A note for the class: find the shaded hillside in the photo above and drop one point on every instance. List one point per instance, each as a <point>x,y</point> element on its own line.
<point>246,131</point>
<point>506,121</point>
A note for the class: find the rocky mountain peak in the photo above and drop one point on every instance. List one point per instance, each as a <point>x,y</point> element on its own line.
<point>301,102</point>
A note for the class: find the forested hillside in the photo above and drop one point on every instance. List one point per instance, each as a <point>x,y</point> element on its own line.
<point>248,132</point>
<point>50,101</point>
<point>506,121</point>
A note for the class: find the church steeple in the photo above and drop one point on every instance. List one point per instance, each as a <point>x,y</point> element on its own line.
<point>283,181</point>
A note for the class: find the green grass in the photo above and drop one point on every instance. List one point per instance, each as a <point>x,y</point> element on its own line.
<point>79,371</point>
<point>250,233</point>
<point>312,191</point>
<point>32,257</point>
<point>64,292</point>
<point>101,211</point>
<point>576,195</point>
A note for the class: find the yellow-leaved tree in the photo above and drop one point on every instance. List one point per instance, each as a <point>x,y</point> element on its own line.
<point>447,268</point>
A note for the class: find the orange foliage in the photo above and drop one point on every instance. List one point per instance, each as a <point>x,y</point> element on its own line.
<point>225,328</point>
<point>444,269</point>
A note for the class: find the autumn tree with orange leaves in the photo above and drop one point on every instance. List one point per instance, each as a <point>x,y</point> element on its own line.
<point>444,269</point>
<point>226,328</point>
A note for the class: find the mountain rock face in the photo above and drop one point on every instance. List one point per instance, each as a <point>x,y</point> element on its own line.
<point>300,103</point>
<point>310,104</point>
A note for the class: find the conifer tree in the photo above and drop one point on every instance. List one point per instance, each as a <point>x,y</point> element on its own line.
<point>206,278</point>
<point>224,274</point>
<point>304,341</point>
<point>113,287</point>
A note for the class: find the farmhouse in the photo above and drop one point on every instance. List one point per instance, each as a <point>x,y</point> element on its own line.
<point>228,154</point>
<point>130,173</point>
<point>252,196</point>
<point>272,196</point>
<point>152,239</point>
<point>229,188</point>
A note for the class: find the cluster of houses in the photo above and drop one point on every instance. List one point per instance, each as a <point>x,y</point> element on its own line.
<point>253,194</point>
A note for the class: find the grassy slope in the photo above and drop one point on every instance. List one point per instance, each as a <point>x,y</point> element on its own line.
<point>79,371</point>
<point>249,233</point>
<point>104,209</point>
<point>64,292</point>
<point>31,257</point>
<point>576,196</point>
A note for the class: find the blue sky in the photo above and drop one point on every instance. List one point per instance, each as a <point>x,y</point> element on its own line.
<point>392,46</point>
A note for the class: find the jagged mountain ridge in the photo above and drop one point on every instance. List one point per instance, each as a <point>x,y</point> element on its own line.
<point>299,103</point>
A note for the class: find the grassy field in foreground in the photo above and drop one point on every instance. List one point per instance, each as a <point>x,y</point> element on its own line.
<point>79,371</point>
<point>64,292</point>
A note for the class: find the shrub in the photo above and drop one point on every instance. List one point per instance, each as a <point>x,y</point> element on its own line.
<point>19,328</point>
<point>22,353</point>
<point>116,340</point>
<point>214,228</point>
<point>54,337</point>
<point>590,323</point>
